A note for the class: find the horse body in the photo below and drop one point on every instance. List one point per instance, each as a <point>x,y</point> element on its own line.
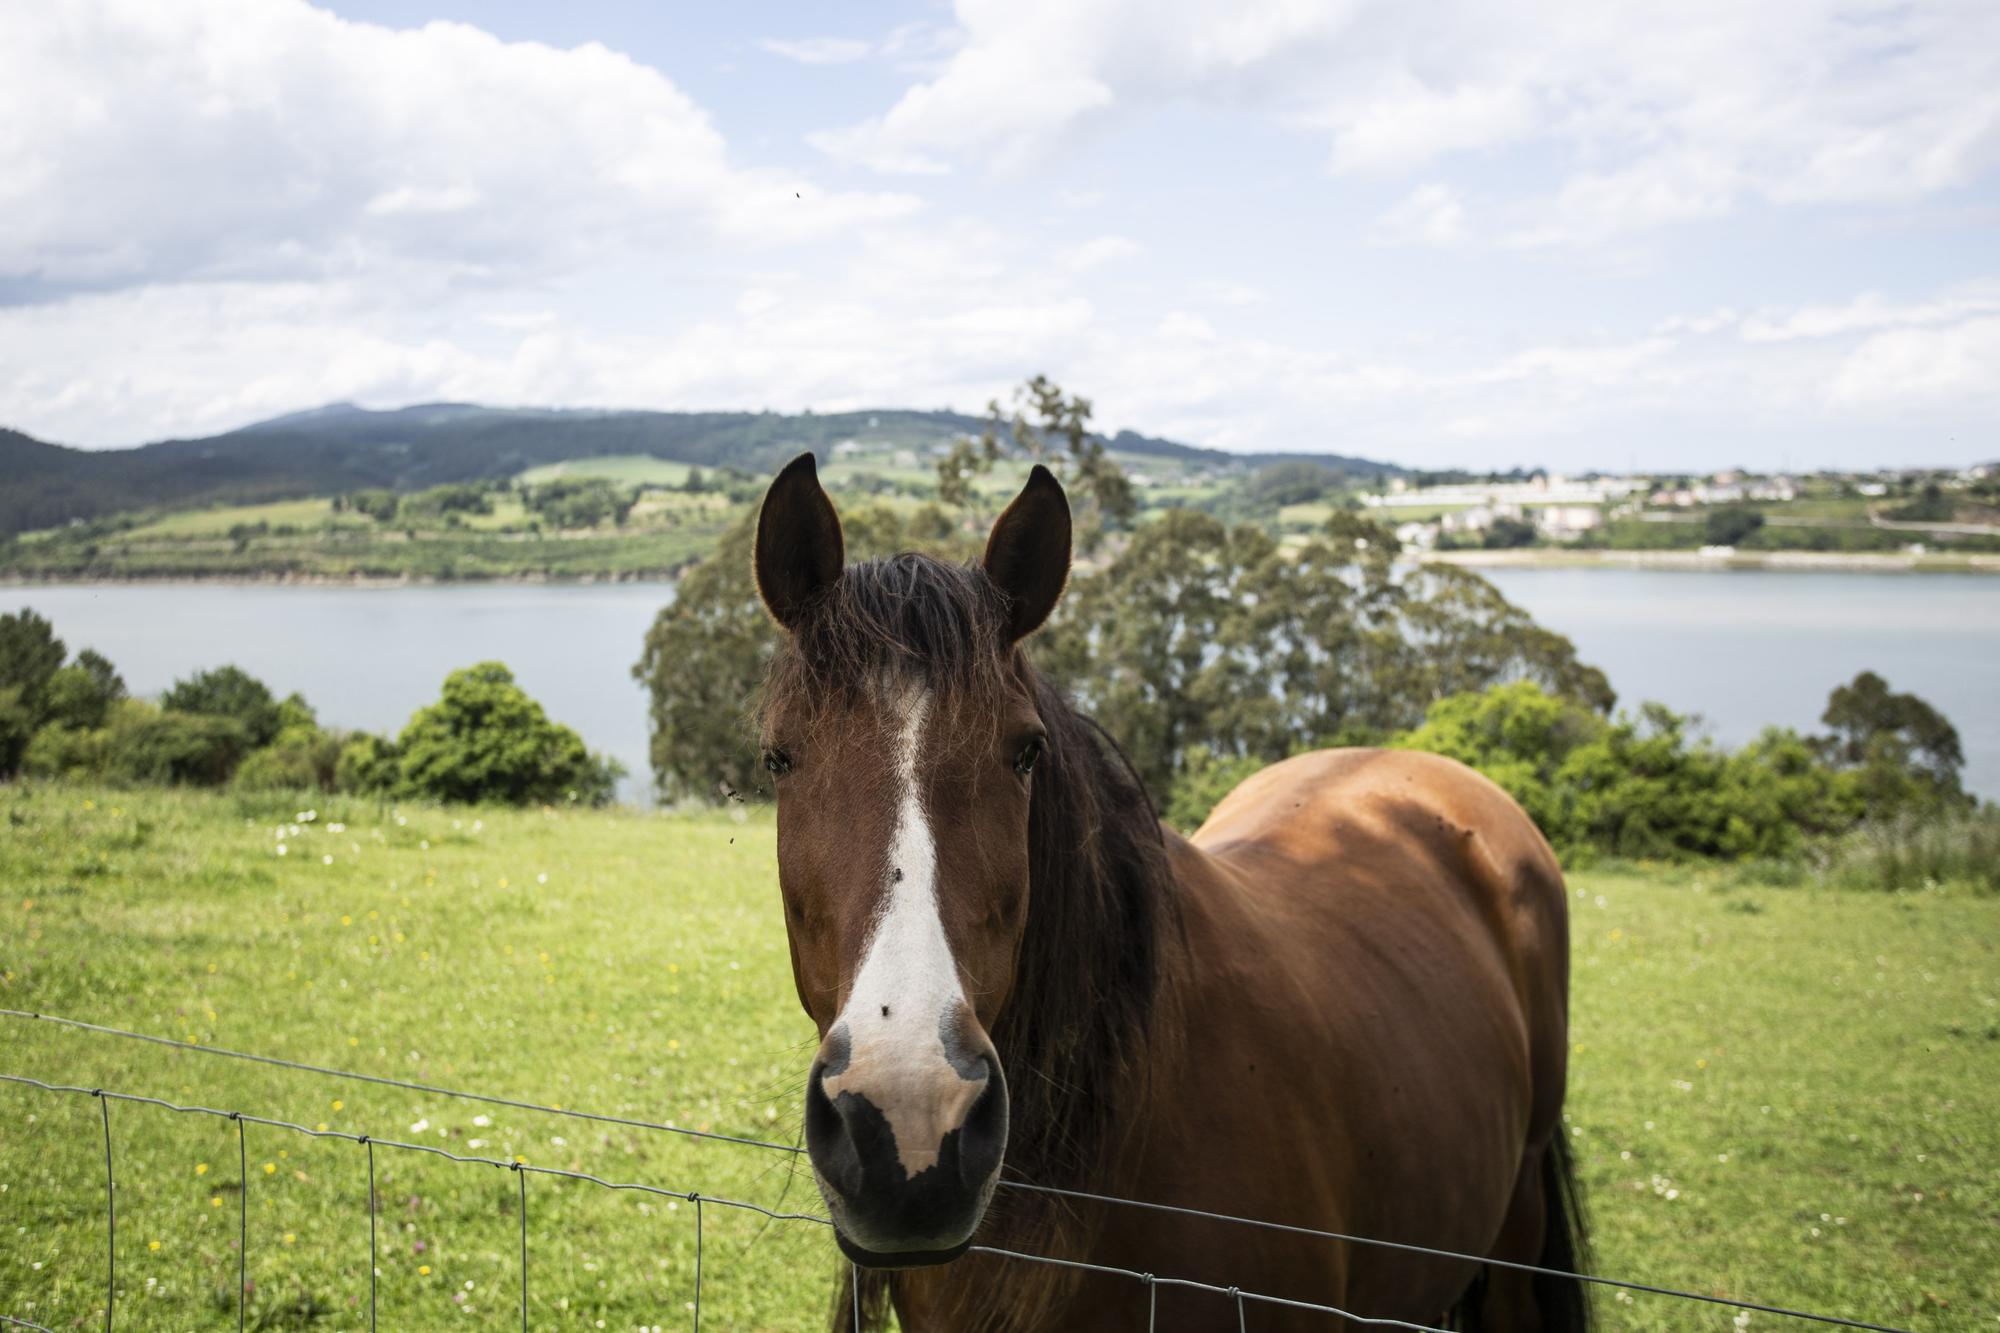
<point>1371,1040</point>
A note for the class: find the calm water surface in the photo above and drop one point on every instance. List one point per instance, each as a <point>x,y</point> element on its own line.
<point>369,657</point>
<point>1744,648</point>
<point>1741,649</point>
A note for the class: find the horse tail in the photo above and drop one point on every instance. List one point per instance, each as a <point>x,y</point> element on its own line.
<point>1563,1301</point>
<point>1561,1304</point>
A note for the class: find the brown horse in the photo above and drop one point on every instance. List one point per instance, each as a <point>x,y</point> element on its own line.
<point>1340,1005</point>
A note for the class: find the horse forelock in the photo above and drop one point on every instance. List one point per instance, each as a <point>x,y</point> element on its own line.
<point>887,625</point>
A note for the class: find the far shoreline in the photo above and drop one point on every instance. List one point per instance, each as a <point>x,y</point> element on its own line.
<point>1790,562</point>
<point>363,581</point>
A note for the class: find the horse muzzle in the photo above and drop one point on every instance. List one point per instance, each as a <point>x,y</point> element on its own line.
<point>907,1150</point>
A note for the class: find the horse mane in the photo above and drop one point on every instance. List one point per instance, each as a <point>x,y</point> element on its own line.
<point>1101,914</point>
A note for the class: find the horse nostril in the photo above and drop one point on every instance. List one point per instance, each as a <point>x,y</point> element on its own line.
<point>983,1135</point>
<point>833,1149</point>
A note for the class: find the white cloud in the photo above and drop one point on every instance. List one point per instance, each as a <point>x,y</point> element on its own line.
<point>1870,312</point>
<point>1407,123</point>
<point>232,139</point>
<point>1653,114</point>
<point>1224,291</point>
<point>1096,252</point>
<point>957,314</point>
<point>818,50</point>
<point>212,212</point>
<point>1180,326</point>
<point>1431,214</point>
<point>1952,366</point>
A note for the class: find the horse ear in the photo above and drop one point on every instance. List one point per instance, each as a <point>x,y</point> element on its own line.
<point>799,548</point>
<point>1028,553</point>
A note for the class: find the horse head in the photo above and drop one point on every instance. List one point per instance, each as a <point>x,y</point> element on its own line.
<point>901,727</point>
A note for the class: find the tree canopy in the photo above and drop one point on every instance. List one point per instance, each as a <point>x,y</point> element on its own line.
<point>1042,424</point>
<point>1195,634</point>
<point>485,739</point>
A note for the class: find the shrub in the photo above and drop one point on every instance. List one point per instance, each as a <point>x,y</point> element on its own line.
<point>81,694</point>
<point>17,727</point>
<point>366,764</point>
<point>486,740</point>
<point>1917,852</point>
<point>144,744</point>
<point>1508,533</point>
<point>302,758</point>
<point>60,751</point>
<point>232,693</point>
<point>1639,786</point>
<point>1730,525</point>
<point>1205,779</point>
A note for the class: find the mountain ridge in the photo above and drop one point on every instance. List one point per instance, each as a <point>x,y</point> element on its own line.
<point>341,447</point>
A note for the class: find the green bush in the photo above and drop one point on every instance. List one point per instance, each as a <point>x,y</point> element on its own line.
<point>486,740</point>
<point>1918,852</point>
<point>81,694</point>
<point>1640,787</point>
<point>367,764</point>
<point>61,751</point>
<point>144,744</point>
<point>301,758</point>
<point>1730,525</point>
<point>232,693</point>
<point>17,727</point>
<point>1205,779</point>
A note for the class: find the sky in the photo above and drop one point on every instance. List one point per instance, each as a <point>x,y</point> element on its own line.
<point>1614,235</point>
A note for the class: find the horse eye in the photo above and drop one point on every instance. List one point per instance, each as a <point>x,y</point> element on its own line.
<point>1024,762</point>
<point>776,760</point>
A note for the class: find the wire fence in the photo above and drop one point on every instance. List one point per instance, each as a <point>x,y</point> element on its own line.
<point>1148,1284</point>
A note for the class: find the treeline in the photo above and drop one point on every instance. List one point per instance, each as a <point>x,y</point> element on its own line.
<point>1209,651</point>
<point>1644,786</point>
<point>484,739</point>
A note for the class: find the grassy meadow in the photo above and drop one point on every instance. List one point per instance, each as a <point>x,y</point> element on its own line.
<point>1778,1093</point>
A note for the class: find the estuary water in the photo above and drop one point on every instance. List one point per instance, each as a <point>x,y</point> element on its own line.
<point>1739,648</point>
<point>368,657</point>
<point>1746,648</point>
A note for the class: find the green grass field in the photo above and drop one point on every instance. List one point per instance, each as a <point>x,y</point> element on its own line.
<point>634,468</point>
<point>1780,1094</point>
<point>216,522</point>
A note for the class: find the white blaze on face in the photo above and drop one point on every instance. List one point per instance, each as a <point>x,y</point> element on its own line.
<point>908,982</point>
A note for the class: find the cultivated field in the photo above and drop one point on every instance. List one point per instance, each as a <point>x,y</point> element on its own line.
<point>1780,1094</point>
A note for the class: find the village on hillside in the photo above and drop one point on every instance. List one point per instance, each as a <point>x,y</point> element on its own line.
<point>1829,511</point>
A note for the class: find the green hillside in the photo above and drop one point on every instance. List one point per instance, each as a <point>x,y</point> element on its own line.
<point>342,448</point>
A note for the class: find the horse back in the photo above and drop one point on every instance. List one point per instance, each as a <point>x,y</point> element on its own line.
<point>1377,975</point>
<point>1385,843</point>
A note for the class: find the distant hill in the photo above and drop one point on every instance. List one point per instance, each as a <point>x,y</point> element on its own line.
<point>342,448</point>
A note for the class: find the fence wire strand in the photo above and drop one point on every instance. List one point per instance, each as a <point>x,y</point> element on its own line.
<point>242,1224</point>
<point>110,1218</point>
<point>105,1096</point>
<point>522,1176</point>
<point>374,1260</point>
<point>405,1084</point>
<point>697,1262</point>
<point>794,1149</point>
